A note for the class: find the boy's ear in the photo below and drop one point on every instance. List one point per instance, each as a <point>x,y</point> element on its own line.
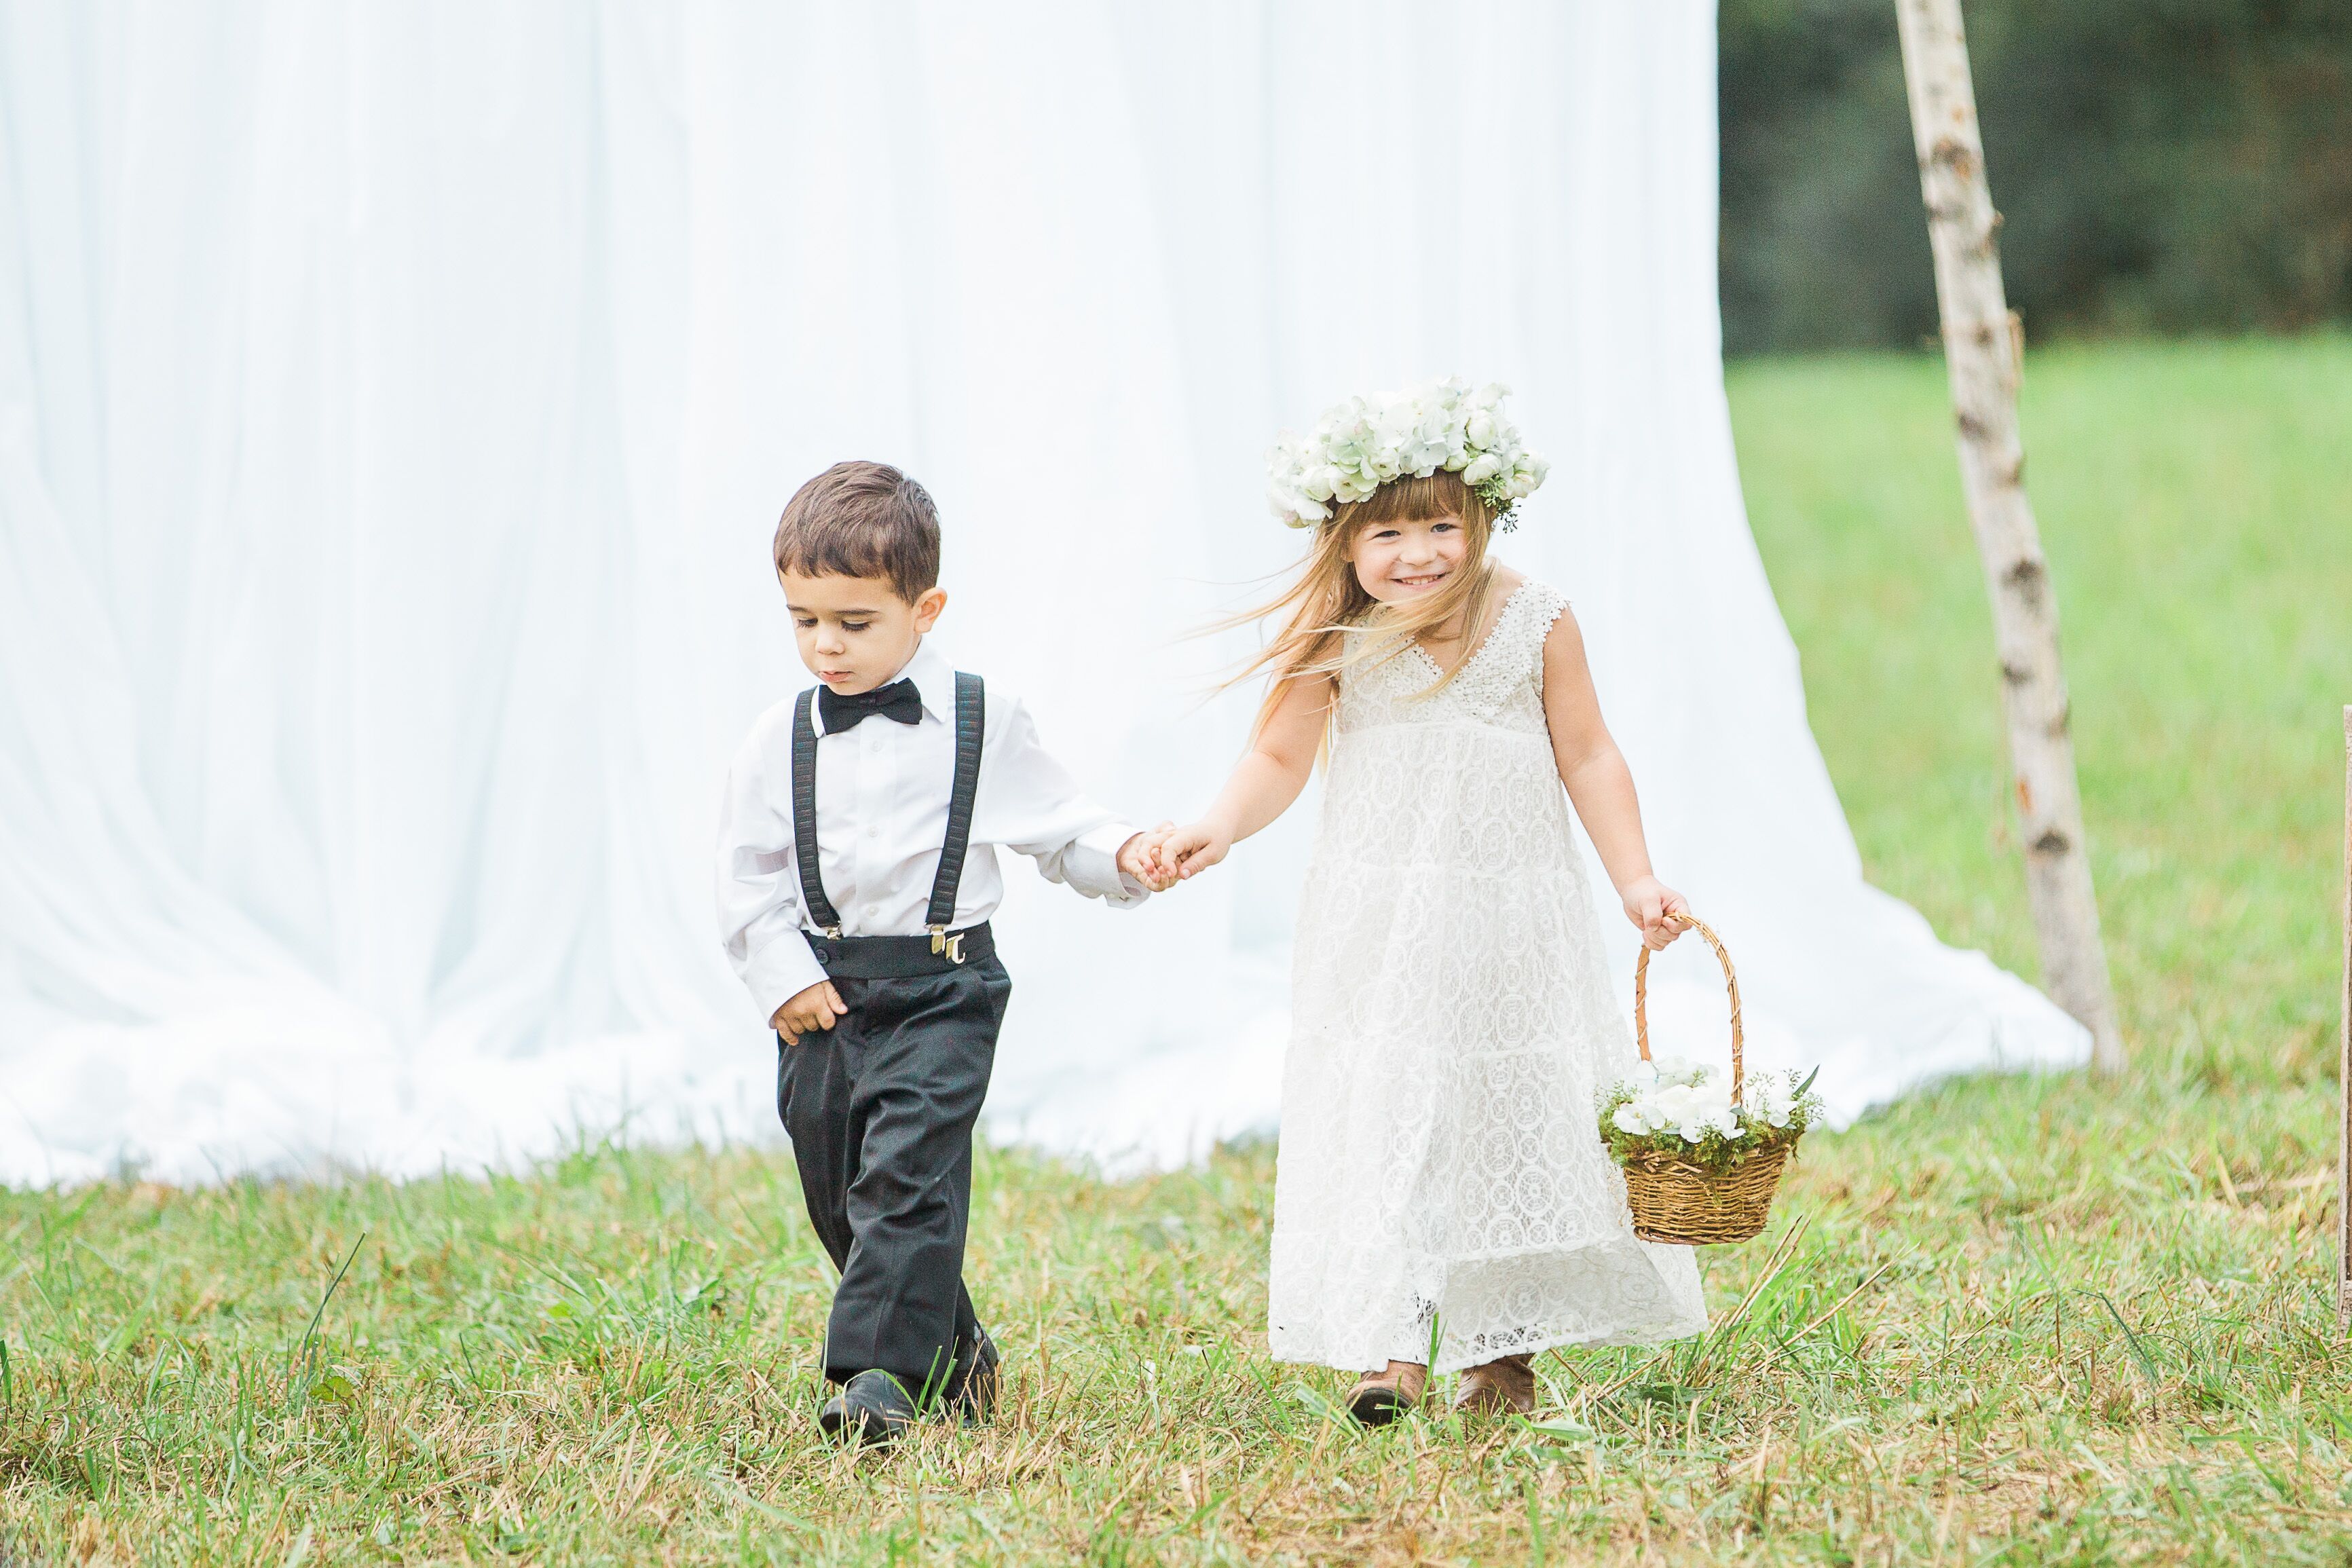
<point>928,605</point>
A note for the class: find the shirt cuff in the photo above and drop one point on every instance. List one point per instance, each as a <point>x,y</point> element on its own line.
<point>1092,866</point>
<point>780,971</point>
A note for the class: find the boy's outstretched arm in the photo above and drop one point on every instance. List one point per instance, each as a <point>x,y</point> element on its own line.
<point>1263,785</point>
<point>1029,802</point>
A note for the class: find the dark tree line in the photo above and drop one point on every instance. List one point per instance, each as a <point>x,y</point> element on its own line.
<point>2162,166</point>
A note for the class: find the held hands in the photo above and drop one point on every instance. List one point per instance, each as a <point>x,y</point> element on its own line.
<point>820,1007</point>
<point>1187,851</point>
<point>1138,857</point>
<point>1169,854</point>
<point>1648,904</point>
<point>814,1008</point>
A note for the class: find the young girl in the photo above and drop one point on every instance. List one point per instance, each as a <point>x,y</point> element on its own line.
<point>1442,1189</point>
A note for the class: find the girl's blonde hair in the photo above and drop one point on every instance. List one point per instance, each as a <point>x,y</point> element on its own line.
<point>1327,602</point>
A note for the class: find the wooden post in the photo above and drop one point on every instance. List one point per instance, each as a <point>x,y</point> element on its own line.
<point>1983,353</point>
<point>2343,1069</point>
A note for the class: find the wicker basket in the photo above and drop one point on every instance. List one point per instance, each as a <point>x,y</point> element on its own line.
<point>1685,1205</point>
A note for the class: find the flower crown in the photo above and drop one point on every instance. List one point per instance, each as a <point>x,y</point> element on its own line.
<point>1362,444</point>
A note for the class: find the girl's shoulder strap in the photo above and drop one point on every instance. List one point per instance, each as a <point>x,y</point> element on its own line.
<point>1544,604</point>
<point>1526,620</point>
<point>1513,651</point>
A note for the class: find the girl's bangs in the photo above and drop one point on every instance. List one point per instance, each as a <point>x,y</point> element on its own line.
<point>1410,500</point>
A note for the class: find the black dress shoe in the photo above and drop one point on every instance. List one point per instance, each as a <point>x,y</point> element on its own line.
<point>971,1395</point>
<point>875,1410</point>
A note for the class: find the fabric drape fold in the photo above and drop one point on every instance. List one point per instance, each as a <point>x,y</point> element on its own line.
<point>395,403</point>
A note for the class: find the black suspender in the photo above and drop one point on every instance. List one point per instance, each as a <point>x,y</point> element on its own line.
<point>820,908</point>
<point>972,727</point>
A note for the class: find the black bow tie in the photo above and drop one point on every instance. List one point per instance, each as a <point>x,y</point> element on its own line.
<point>898,701</point>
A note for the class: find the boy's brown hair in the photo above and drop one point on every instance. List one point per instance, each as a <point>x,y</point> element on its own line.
<point>861,519</point>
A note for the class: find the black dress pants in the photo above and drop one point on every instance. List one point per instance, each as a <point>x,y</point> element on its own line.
<point>880,1110</point>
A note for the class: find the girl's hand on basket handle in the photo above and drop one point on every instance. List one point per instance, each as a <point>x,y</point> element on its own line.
<point>1656,909</point>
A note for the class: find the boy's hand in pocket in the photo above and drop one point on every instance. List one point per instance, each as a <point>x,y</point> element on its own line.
<point>814,1008</point>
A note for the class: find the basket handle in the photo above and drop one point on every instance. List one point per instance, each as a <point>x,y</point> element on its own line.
<point>1730,983</point>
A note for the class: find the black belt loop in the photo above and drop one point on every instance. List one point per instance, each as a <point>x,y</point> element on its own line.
<point>820,908</point>
<point>972,729</point>
<point>900,957</point>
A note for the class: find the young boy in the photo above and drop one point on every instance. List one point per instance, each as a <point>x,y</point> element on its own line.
<point>857,875</point>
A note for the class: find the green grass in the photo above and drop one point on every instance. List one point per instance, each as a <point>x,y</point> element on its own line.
<point>2025,1320</point>
<point>2196,504</point>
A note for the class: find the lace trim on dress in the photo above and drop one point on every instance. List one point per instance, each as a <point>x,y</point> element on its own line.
<point>1512,646</point>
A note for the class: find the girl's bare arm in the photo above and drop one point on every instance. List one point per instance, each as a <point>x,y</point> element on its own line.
<point>1263,785</point>
<point>1601,785</point>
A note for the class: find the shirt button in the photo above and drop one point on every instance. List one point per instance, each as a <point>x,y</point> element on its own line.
<point>872,833</point>
<point>872,909</point>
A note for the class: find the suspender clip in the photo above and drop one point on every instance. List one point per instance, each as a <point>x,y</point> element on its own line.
<point>942,941</point>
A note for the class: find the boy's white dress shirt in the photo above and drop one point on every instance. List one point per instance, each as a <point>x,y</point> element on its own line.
<point>882,791</point>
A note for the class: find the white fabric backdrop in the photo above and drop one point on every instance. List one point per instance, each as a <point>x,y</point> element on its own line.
<point>396,401</point>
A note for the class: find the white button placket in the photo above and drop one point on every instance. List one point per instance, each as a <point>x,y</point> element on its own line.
<point>877,801</point>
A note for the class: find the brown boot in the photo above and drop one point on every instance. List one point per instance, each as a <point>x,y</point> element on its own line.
<point>1504,1387</point>
<point>1380,1397</point>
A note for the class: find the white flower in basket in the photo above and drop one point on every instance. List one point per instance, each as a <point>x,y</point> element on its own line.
<point>1659,1110</point>
<point>1702,1158</point>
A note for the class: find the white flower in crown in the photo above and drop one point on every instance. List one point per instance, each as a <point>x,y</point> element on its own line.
<point>1362,444</point>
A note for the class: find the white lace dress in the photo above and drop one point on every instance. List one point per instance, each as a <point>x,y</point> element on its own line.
<point>1453,1020</point>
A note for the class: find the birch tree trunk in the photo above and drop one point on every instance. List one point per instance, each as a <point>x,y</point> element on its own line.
<point>2344,1074</point>
<point>1984,352</point>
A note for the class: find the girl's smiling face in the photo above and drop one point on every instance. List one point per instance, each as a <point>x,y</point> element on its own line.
<point>1397,563</point>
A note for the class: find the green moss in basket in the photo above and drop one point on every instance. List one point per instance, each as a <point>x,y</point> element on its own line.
<point>1675,1108</point>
